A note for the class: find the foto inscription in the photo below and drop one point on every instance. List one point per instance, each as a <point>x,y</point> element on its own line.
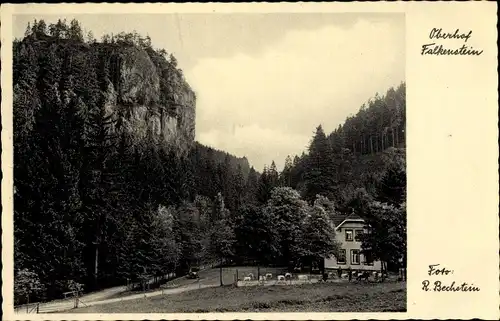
<point>445,286</point>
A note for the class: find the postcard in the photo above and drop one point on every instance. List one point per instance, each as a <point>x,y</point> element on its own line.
<point>250,161</point>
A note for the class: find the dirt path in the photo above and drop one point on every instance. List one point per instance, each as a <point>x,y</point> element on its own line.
<point>86,299</point>
<point>185,288</point>
<point>207,280</point>
<point>109,295</point>
<point>97,300</point>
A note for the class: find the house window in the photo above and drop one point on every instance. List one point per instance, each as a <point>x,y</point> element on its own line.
<point>357,235</point>
<point>354,256</point>
<point>341,259</point>
<point>368,258</point>
<point>348,235</point>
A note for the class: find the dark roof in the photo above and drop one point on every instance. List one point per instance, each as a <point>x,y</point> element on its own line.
<point>354,216</point>
<point>337,220</point>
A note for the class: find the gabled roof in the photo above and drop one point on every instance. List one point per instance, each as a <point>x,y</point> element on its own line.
<point>338,219</point>
<point>353,217</point>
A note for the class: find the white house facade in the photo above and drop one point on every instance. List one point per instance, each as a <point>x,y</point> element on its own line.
<point>348,231</point>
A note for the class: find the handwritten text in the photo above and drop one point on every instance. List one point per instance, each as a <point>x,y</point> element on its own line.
<point>439,50</point>
<point>440,286</point>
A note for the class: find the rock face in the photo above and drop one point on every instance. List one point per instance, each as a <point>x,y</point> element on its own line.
<point>151,102</point>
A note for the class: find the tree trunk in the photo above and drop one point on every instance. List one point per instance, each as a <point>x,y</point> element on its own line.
<point>392,132</point>
<point>404,267</point>
<point>220,273</point>
<point>96,268</point>
<point>371,145</point>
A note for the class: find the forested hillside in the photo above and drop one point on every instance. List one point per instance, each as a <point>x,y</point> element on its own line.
<point>355,155</point>
<point>110,185</point>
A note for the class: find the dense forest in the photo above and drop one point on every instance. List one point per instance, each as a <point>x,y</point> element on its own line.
<point>95,206</point>
<point>357,153</point>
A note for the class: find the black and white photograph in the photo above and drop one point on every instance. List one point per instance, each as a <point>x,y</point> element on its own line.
<point>209,162</point>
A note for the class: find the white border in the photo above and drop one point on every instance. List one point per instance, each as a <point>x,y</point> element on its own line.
<point>452,155</point>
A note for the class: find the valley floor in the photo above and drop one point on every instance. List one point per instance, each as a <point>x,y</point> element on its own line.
<point>321,297</point>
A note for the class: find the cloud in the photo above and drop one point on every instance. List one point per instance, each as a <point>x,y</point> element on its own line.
<point>276,99</point>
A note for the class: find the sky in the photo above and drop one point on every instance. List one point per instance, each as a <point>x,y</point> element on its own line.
<point>264,82</point>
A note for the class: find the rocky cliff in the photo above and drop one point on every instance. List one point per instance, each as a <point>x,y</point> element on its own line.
<point>151,101</point>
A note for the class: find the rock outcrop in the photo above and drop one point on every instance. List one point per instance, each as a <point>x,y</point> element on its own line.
<point>151,101</point>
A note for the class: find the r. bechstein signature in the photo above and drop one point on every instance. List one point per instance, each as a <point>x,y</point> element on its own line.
<point>438,49</point>
<point>440,286</point>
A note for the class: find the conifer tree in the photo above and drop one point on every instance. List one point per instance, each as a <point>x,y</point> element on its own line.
<point>286,174</point>
<point>75,31</point>
<point>239,187</point>
<point>273,175</point>
<point>251,187</point>
<point>265,186</point>
<point>320,172</point>
<point>392,187</point>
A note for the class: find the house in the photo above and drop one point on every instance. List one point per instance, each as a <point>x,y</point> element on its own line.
<point>348,228</point>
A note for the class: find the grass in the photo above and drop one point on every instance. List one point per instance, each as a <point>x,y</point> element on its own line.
<point>329,297</point>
